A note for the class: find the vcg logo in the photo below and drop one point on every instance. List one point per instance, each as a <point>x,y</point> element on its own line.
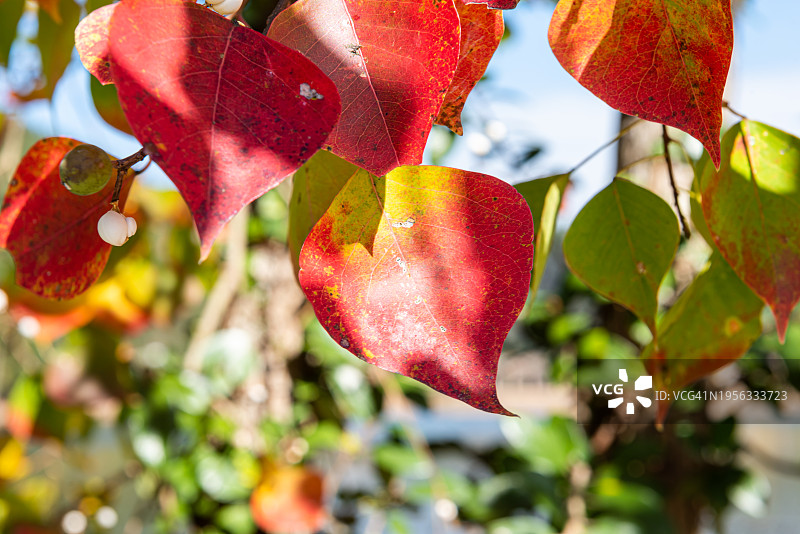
<point>617,390</point>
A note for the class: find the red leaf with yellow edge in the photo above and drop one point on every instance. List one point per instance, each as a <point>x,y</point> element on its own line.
<point>714,321</point>
<point>91,41</point>
<point>751,207</point>
<point>666,62</point>
<point>50,232</point>
<point>392,62</point>
<point>423,272</point>
<point>481,31</point>
<point>289,499</point>
<point>226,112</point>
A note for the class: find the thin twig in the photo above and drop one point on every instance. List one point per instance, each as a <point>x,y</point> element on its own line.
<point>726,105</point>
<point>616,138</point>
<point>282,4</point>
<point>224,290</point>
<point>668,158</point>
<point>121,167</point>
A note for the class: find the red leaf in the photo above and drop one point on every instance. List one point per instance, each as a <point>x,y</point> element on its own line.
<point>662,61</point>
<point>392,62</point>
<point>496,4</point>
<point>226,112</point>
<point>423,273</point>
<point>91,41</point>
<point>289,499</point>
<point>481,31</point>
<point>51,233</point>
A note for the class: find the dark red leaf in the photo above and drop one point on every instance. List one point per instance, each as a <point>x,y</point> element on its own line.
<point>481,31</point>
<point>423,272</point>
<point>392,62</point>
<point>226,112</point>
<point>50,232</point>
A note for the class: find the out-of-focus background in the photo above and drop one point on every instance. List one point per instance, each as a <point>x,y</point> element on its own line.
<point>146,406</point>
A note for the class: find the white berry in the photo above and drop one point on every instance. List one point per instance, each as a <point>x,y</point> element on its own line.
<point>225,7</point>
<point>113,228</point>
<point>131,222</point>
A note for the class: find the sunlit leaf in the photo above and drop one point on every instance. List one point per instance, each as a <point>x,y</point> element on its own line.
<point>315,185</point>
<point>662,61</point>
<point>715,320</point>
<point>481,31</point>
<point>91,40</point>
<point>226,112</point>
<point>544,198</point>
<point>423,272</point>
<point>50,232</point>
<point>621,245</point>
<point>392,62</point>
<point>751,206</point>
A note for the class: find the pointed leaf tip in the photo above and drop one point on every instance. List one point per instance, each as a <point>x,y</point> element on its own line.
<point>223,127</point>
<point>666,62</point>
<point>423,272</point>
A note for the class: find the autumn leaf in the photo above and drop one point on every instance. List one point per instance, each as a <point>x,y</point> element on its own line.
<point>51,8</point>
<point>496,4</point>
<point>714,321</point>
<point>91,41</point>
<point>423,272</point>
<point>225,112</point>
<point>751,207</point>
<point>481,31</point>
<point>289,499</point>
<point>621,245</point>
<point>544,199</point>
<point>50,232</point>
<point>392,62</point>
<point>662,61</point>
<point>314,186</point>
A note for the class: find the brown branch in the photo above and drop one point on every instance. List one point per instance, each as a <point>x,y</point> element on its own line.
<point>727,105</point>
<point>282,4</point>
<point>605,145</point>
<point>121,167</point>
<point>668,158</point>
<point>220,297</point>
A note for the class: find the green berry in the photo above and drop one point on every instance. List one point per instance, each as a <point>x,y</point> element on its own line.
<point>86,169</point>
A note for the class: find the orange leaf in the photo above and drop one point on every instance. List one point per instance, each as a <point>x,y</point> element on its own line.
<point>288,500</point>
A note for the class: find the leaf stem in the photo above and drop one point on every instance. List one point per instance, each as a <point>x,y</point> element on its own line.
<point>727,105</point>
<point>602,147</point>
<point>121,167</point>
<point>667,140</point>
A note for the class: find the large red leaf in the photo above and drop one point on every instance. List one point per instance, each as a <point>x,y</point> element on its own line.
<point>662,61</point>
<point>423,273</point>
<point>50,232</point>
<point>481,31</point>
<point>91,41</point>
<point>751,207</point>
<point>392,62</point>
<point>226,112</point>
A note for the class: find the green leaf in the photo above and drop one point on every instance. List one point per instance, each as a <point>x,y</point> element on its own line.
<point>55,42</point>
<point>10,12</point>
<point>716,318</point>
<point>544,198</point>
<point>621,245</point>
<point>314,187</point>
<point>751,206</point>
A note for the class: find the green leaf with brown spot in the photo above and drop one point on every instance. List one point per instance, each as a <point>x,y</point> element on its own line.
<point>621,245</point>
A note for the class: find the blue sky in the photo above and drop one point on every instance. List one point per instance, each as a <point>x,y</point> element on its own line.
<point>537,100</point>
